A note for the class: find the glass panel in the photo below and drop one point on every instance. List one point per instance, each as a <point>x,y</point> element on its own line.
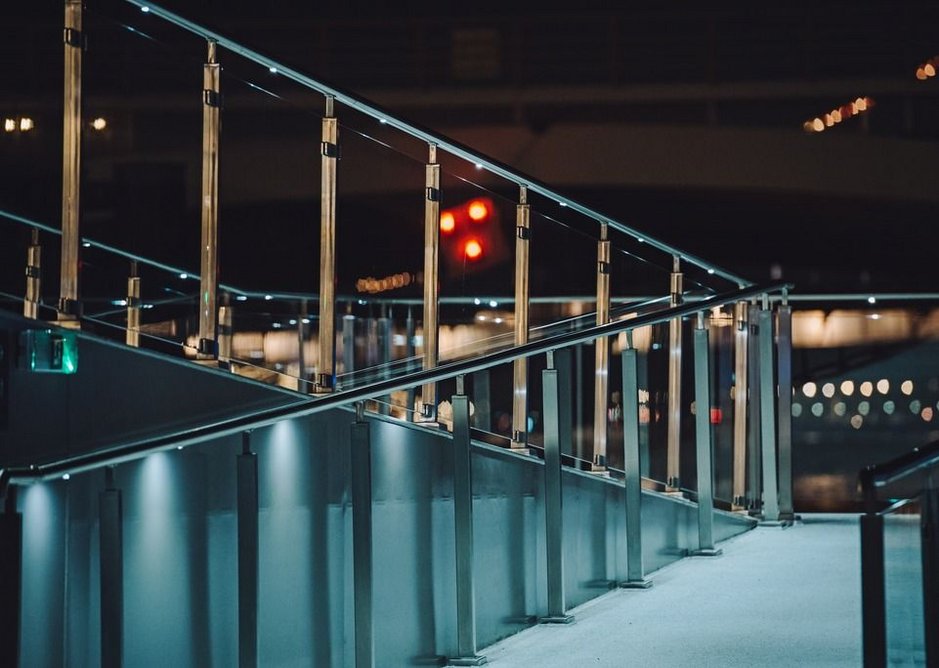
<point>903,586</point>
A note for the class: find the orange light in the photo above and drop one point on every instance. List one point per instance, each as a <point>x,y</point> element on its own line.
<point>447,222</point>
<point>477,210</point>
<point>473,249</point>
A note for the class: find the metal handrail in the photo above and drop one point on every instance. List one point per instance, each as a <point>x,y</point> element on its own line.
<point>876,476</point>
<point>450,146</point>
<point>308,406</point>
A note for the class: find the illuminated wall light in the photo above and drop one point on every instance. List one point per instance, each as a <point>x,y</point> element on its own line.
<point>493,303</point>
<point>889,407</point>
<point>840,409</point>
<point>828,389</point>
<point>99,124</point>
<point>847,388</point>
<point>864,407</point>
<point>268,298</point>
<point>447,223</point>
<point>809,389</point>
<point>915,406</point>
<point>477,211</point>
<point>883,386</point>
<point>796,409</point>
<point>872,300</point>
<point>907,387</point>
<point>26,124</point>
<point>857,421</point>
<point>66,477</point>
<point>818,409</point>
<point>927,70</point>
<point>836,115</point>
<point>818,125</point>
<point>829,121</point>
<point>9,124</point>
<point>927,414</point>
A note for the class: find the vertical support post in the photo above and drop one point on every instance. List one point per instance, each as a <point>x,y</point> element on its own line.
<point>635,573</point>
<point>11,576</point>
<point>873,597</point>
<point>703,444</point>
<point>384,358</point>
<point>427,409</point>
<point>112,573</point>
<point>754,428</point>
<point>553,514</point>
<point>673,472</point>
<point>303,320</point>
<point>33,277</point>
<point>329,149</point>
<point>741,390</point>
<point>348,343</point>
<point>208,278</point>
<point>930,547</point>
<point>463,527</point>
<point>784,407</point>
<point>133,306</point>
<point>225,331</point>
<point>410,331</point>
<point>562,362</point>
<point>602,350</point>
<point>69,308</point>
<point>520,366</point>
<point>247,472</point>
<point>768,415</point>
<point>361,461</point>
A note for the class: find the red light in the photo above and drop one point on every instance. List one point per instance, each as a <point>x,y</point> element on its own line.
<point>717,415</point>
<point>473,249</point>
<point>447,222</point>
<point>477,210</point>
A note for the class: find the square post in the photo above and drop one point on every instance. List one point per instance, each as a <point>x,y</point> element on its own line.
<point>554,516</point>
<point>703,442</point>
<point>673,455</point>
<point>69,308</point>
<point>602,354</point>
<point>247,485</point>
<point>784,408</point>
<point>11,577</point>
<point>741,390</point>
<point>110,518</point>
<point>362,572</point>
<point>329,157</point>
<point>463,527</point>
<point>427,410</point>
<point>520,366</point>
<point>873,598</point>
<point>768,415</point>
<point>754,429</point>
<point>635,574</point>
<point>208,276</point>
<point>930,547</point>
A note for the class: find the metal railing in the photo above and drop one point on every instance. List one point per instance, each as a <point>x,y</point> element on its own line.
<point>878,649</point>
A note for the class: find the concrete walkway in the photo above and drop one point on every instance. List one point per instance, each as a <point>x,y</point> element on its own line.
<point>776,597</point>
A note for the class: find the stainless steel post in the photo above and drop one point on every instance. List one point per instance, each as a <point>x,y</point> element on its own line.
<point>463,527</point>
<point>247,555</point>
<point>69,308</point>
<point>553,494</point>
<point>427,409</point>
<point>225,331</point>
<point>741,335</point>
<point>384,358</point>
<point>410,331</point>
<point>873,595</point>
<point>303,320</point>
<point>635,573</point>
<point>208,278</point>
<point>132,337</point>
<point>33,277</point>
<point>520,366</point>
<point>348,343</point>
<point>703,443</point>
<point>110,517</point>
<point>929,538</point>
<point>784,407</point>
<point>329,148</point>
<point>11,576</point>
<point>361,463</point>
<point>768,415</point>
<point>754,429</point>
<point>602,350</point>
<point>673,472</point>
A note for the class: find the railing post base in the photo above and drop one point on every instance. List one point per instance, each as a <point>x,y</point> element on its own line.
<point>707,552</point>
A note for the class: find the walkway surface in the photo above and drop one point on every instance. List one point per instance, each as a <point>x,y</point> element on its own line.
<point>776,597</point>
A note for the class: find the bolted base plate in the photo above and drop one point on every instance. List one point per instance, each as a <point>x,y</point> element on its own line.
<point>557,619</point>
<point>475,660</point>
<point>644,583</point>
<point>772,523</point>
<point>707,552</point>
